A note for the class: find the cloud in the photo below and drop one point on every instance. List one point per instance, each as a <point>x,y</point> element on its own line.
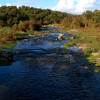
<point>8,4</point>
<point>83,6</point>
<point>64,5</point>
<point>76,6</point>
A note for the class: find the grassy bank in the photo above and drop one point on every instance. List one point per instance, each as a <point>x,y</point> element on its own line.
<point>88,40</point>
<point>9,37</point>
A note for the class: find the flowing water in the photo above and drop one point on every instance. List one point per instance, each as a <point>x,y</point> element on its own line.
<point>41,69</point>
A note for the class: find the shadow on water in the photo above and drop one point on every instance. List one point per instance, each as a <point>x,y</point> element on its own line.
<point>47,71</point>
<point>6,59</point>
<point>50,29</point>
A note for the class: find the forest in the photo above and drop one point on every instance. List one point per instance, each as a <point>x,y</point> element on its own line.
<point>12,16</point>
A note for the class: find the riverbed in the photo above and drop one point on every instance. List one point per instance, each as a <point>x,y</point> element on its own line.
<point>42,69</point>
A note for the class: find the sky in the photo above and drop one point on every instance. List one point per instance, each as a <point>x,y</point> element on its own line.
<point>69,6</point>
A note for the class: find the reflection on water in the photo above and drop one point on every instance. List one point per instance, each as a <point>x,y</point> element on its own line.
<point>46,73</point>
<point>6,59</point>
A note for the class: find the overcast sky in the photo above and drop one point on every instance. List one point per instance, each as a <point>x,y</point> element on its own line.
<point>70,6</point>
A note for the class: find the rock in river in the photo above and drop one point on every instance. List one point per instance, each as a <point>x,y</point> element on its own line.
<point>60,36</point>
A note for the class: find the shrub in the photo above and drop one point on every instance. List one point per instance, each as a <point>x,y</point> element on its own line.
<point>15,27</point>
<point>88,52</point>
<point>10,37</point>
<point>29,25</point>
<point>21,26</point>
<point>66,22</point>
<point>34,26</point>
<point>7,33</point>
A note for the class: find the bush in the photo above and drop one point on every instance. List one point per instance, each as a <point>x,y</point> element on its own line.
<point>7,33</point>
<point>88,52</point>
<point>10,37</point>
<point>15,27</point>
<point>21,26</point>
<point>29,25</point>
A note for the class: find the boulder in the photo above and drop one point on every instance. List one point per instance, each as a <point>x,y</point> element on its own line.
<point>60,36</point>
<point>26,40</point>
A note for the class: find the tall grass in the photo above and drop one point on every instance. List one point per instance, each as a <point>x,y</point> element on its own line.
<point>7,34</point>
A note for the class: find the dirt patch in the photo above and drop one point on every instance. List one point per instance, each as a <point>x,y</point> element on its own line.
<point>98,60</point>
<point>95,54</point>
<point>83,47</point>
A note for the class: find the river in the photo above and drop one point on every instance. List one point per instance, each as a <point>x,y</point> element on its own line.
<point>43,70</point>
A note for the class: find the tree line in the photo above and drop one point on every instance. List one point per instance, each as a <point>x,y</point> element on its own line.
<point>29,18</point>
<point>88,19</point>
<point>10,15</point>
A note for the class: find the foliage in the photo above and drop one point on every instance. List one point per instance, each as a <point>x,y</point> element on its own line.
<point>97,70</point>
<point>88,52</point>
<point>87,19</point>
<point>28,25</point>
<point>21,26</point>
<point>10,15</point>
<point>15,27</point>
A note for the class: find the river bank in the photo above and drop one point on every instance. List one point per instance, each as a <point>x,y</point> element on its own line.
<point>87,40</point>
<point>10,38</point>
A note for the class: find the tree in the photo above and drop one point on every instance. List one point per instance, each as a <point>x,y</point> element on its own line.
<point>88,14</point>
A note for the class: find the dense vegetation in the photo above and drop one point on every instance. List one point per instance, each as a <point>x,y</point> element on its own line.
<point>12,15</point>
<point>88,19</point>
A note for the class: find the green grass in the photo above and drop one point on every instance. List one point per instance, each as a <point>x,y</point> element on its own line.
<point>67,46</point>
<point>9,45</point>
<point>97,70</point>
<point>88,51</point>
<point>97,64</point>
<point>63,30</point>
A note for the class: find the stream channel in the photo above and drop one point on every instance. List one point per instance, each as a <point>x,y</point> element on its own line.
<point>42,69</point>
